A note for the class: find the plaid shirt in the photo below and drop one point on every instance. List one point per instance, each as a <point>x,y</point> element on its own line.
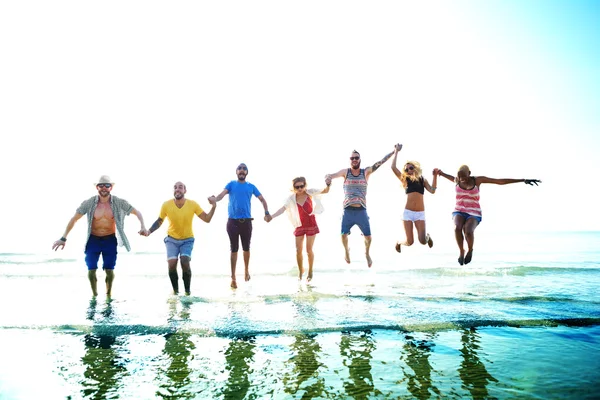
<point>120,208</point>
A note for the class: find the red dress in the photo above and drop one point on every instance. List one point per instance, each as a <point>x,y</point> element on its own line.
<point>309,222</point>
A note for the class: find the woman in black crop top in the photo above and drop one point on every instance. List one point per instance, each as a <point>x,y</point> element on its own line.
<point>414,210</point>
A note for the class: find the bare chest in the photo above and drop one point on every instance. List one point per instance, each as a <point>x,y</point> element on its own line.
<point>103,211</point>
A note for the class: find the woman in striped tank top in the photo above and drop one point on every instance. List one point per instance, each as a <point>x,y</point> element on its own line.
<point>467,211</point>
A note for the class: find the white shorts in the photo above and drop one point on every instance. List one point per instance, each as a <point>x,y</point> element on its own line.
<point>413,215</point>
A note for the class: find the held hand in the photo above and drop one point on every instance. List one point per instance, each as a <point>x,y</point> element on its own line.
<point>58,244</point>
<point>268,218</point>
<point>212,200</point>
<point>532,182</point>
<point>144,232</point>
<point>328,180</point>
<point>436,171</point>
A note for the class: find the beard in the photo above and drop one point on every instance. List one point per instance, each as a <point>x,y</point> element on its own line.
<point>242,177</point>
<point>357,166</point>
<point>178,196</point>
<point>104,193</point>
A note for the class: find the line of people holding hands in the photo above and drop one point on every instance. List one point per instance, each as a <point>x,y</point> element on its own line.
<point>106,213</point>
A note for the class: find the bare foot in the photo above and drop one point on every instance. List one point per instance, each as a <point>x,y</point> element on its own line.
<point>300,273</point>
<point>461,257</point>
<point>369,261</point>
<point>347,255</point>
<point>309,276</point>
<point>233,284</point>
<point>429,241</point>
<point>469,256</point>
<point>398,247</point>
<point>247,276</point>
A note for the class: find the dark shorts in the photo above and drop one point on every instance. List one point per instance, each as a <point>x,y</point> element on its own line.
<point>466,216</point>
<point>239,229</point>
<point>105,245</point>
<point>356,216</point>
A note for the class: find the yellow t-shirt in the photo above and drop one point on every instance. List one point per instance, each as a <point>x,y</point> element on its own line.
<point>180,219</point>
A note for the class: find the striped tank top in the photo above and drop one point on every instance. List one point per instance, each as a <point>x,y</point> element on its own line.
<point>467,201</point>
<point>355,189</point>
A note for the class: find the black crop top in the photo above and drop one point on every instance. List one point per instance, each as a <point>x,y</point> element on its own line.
<point>418,186</point>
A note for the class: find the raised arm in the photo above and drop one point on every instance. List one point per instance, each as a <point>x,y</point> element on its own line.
<point>340,174</point>
<point>445,175</point>
<point>62,241</point>
<point>505,181</point>
<point>397,172</point>
<point>375,167</point>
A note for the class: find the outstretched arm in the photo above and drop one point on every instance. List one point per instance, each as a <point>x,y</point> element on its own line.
<point>505,181</point>
<point>61,242</point>
<point>212,199</point>
<point>340,174</point>
<point>207,217</point>
<point>445,175</point>
<point>375,167</point>
<point>397,172</point>
<point>277,214</point>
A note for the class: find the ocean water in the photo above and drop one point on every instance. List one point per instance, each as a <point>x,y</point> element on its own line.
<point>522,321</point>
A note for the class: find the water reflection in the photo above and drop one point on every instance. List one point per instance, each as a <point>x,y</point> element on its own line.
<point>355,350</point>
<point>103,367</point>
<point>416,356</point>
<point>305,368</point>
<point>175,374</point>
<point>238,358</point>
<point>475,377</point>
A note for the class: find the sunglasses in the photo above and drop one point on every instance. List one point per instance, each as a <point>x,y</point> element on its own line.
<point>355,158</point>
<point>243,168</point>
<point>104,185</point>
<point>299,187</point>
<point>409,168</point>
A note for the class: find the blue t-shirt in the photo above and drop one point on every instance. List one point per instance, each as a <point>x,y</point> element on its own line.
<point>240,195</point>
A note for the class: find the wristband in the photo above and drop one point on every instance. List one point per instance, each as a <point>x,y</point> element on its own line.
<point>63,239</point>
<point>266,213</point>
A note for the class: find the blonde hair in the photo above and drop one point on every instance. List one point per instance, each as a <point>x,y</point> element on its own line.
<point>415,177</point>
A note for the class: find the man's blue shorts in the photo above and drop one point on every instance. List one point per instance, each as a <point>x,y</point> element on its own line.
<point>105,245</point>
<point>466,216</point>
<point>356,216</point>
<point>179,248</point>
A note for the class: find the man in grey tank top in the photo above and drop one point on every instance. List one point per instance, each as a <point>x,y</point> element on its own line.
<point>355,200</point>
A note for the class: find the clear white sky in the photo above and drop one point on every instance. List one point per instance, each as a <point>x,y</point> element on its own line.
<point>154,92</point>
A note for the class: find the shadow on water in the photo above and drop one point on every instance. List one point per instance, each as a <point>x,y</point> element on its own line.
<point>475,377</point>
<point>356,352</point>
<point>239,355</point>
<point>416,357</point>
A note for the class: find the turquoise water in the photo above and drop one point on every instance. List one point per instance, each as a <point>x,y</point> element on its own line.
<point>519,322</point>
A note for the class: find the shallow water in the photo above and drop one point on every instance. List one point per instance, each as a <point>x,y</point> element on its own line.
<point>512,326</point>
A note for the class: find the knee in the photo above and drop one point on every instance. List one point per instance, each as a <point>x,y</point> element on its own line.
<point>409,242</point>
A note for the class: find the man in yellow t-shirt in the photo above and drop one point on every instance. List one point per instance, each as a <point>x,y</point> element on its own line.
<point>180,237</point>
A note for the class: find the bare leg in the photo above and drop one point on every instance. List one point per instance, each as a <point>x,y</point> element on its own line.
<point>173,275</point>
<point>233,260</point>
<point>110,277</point>
<point>367,247</point>
<point>299,258</point>
<point>186,271</point>
<point>346,249</point>
<point>247,265</point>
<point>408,230</point>
<point>93,281</point>
<point>459,222</point>
<point>310,240</point>
<point>469,229</point>
<point>424,237</point>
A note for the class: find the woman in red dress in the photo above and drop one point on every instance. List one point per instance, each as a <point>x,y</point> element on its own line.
<point>301,208</point>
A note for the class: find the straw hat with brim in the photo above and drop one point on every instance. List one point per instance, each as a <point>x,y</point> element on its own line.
<point>104,179</point>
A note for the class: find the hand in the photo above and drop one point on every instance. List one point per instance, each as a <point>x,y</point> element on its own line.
<point>144,232</point>
<point>328,180</point>
<point>58,244</point>
<point>212,200</point>
<point>532,182</point>
<point>436,171</point>
<point>397,147</point>
<point>268,218</point>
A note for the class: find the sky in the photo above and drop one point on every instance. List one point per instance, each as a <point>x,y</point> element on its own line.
<point>152,93</point>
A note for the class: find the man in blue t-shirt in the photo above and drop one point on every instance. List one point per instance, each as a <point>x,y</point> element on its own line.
<point>239,223</point>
